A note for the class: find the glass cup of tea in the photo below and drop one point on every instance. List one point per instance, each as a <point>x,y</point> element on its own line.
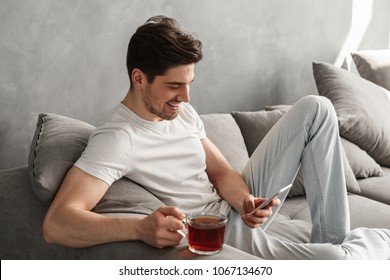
<point>206,232</point>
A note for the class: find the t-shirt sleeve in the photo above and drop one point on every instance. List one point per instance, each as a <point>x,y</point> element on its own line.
<point>197,121</point>
<point>200,126</point>
<point>107,155</point>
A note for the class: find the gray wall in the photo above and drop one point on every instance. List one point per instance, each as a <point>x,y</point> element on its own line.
<point>68,57</point>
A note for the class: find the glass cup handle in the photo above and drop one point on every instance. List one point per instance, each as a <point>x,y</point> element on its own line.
<point>182,233</point>
<point>184,221</point>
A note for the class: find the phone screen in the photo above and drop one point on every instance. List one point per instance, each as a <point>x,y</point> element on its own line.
<point>268,201</point>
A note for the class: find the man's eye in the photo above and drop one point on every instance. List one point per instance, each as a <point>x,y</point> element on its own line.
<point>174,86</point>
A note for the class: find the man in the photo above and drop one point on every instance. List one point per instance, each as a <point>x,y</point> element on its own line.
<point>155,138</point>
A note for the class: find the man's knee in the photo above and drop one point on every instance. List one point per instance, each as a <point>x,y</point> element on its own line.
<point>315,102</point>
<point>318,106</point>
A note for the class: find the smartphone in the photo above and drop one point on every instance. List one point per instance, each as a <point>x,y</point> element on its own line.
<point>268,201</point>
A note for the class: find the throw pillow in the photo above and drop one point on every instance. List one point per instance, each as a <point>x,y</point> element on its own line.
<point>58,142</point>
<point>362,164</point>
<point>255,125</point>
<point>284,108</point>
<point>362,107</point>
<point>374,65</point>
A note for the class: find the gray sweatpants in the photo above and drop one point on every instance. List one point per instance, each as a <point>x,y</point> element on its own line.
<point>307,136</point>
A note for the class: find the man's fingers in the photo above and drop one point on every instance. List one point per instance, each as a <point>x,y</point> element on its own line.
<point>171,211</point>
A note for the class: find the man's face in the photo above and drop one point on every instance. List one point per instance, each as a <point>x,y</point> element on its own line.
<point>163,97</point>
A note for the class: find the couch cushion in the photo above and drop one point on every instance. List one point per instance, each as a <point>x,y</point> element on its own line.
<point>366,212</point>
<point>362,107</point>
<point>224,132</point>
<point>374,65</point>
<point>361,163</point>
<point>58,142</point>
<point>377,188</point>
<point>374,214</point>
<point>255,125</point>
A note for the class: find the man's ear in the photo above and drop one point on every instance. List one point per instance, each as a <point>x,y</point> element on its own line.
<point>138,78</point>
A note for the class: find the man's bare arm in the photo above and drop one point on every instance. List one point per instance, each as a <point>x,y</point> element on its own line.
<point>232,187</point>
<point>229,183</point>
<point>71,222</point>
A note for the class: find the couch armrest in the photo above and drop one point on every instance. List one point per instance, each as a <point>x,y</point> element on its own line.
<point>21,219</point>
<point>137,250</point>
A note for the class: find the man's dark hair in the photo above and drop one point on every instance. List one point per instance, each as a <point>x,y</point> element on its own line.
<point>159,45</point>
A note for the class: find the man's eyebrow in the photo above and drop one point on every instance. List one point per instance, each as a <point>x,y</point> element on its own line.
<point>177,83</point>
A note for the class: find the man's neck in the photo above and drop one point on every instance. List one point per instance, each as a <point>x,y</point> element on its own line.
<point>133,101</point>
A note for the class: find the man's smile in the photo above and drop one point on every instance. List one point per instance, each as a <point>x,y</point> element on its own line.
<point>173,105</point>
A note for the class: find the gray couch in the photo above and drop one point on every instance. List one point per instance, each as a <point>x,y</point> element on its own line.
<point>26,191</point>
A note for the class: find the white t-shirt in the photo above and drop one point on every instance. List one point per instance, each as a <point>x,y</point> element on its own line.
<point>167,158</point>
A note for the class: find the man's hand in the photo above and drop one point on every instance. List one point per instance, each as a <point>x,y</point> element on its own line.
<point>159,231</point>
<point>259,217</point>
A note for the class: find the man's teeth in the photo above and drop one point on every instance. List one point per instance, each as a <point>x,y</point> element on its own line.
<point>173,104</point>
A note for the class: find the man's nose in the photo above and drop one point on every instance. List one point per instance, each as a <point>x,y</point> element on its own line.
<point>184,95</point>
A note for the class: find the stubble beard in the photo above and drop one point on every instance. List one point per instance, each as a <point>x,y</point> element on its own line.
<point>148,101</point>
